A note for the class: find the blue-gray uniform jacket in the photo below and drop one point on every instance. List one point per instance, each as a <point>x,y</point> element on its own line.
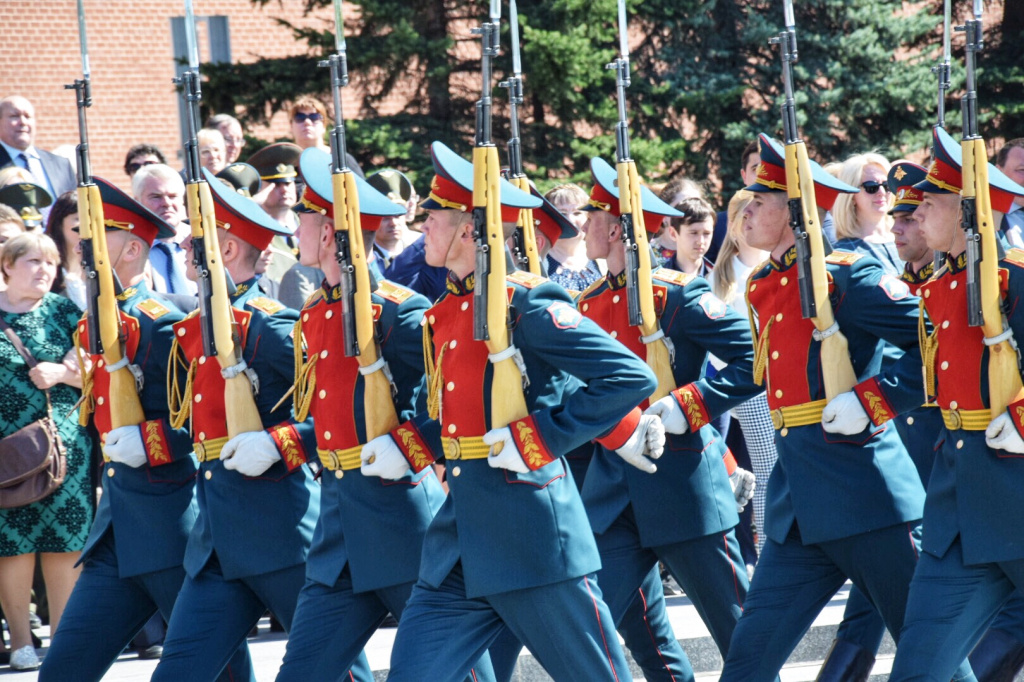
<point>835,486</point>
<point>150,509</point>
<point>374,525</point>
<point>514,531</point>
<point>689,496</point>
<point>260,524</point>
<point>973,488</point>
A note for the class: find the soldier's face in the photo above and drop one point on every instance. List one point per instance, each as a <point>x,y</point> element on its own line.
<point>766,221</point>
<point>17,123</point>
<point>938,216</point>
<point>310,232</point>
<point>439,231</point>
<point>910,242</point>
<point>598,233</point>
<point>1014,166</point>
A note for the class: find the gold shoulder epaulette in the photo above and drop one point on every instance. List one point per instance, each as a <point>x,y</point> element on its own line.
<point>673,276</point>
<point>525,278</point>
<point>267,305</point>
<point>394,292</point>
<point>313,298</point>
<point>152,308</point>
<point>591,289</point>
<point>1015,256</point>
<point>843,258</point>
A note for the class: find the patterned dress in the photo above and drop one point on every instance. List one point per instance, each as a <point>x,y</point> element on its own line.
<point>59,523</point>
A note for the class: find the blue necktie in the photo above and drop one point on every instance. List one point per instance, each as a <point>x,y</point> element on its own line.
<point>173,275</point>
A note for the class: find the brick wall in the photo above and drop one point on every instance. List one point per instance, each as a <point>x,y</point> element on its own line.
<point>131,55</point>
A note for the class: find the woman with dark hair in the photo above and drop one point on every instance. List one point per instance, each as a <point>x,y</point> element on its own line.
<point>62,228</point>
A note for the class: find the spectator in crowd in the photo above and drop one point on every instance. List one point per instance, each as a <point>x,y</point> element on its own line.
<point>567,260</point>
<point>160,189</point>
<point>672,193</point>
<point>736,261</point>
<point>691,236</point>
<point>10,223</point>
<point>234,137</point>
<point>17,148</point>
<point>56,527</point>
<point>309,128</point>
<point>1010,160</point>
<point>62,228</point>
<point>212,151</point>
<point>750,159</point>
<point>393,235</point>
<point>862,221</point>
<point>142,155</point>
<point>26,197</point>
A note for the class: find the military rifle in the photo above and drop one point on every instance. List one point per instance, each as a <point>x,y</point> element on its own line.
<point>525,238</point>
<point>490,302</point>
<point>103,317</point>
<point>220,336</point>
<point>837,370</point>
<point>358,330</point>
<point>942,71</point>
<point>639,288</point>
<point>984,300</point>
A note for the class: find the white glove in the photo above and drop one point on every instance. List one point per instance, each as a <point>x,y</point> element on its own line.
<point>1001,434</point>
<point>671,415</point>
<point>250,453</point>
<point>124,445</point>
<point>504,453</point>
<point>845,415</point>
<point>382,457</point>
<point>647,439</point>
<point>743,484</point>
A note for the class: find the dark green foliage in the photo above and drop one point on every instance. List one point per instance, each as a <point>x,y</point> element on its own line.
<point>705,81</point>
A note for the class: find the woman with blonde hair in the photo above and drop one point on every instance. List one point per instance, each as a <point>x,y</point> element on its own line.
<point>55,527</point>
<point>862,221</point>
<point>735,263</point>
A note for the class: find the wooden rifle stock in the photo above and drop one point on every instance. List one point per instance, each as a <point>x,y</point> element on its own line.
<point>525,227</point>
<point>508,402</point>
<point>1004,380</point>
<point>657,351</point>
<point>123,399</point>
<point>836,367</point>
<point>379,406</point>
<point>240,409</point>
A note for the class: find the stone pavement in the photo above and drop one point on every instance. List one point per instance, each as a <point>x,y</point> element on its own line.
<point>268,649</point>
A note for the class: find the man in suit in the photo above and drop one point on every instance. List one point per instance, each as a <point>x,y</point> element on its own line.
<point>161,189</point>
<point>17,147</point>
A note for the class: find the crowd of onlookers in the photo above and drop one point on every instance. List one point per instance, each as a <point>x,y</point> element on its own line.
<point>43,292</point>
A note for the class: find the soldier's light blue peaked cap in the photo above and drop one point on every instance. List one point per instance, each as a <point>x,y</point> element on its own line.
<point>454,168</point>
<point>315,165</point>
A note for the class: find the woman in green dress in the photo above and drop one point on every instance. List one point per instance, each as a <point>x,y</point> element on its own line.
<point>55,528</point>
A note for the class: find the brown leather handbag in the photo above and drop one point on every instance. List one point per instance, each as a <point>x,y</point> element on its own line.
<point>32,459</point>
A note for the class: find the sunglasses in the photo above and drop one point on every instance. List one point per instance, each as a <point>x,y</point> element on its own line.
<point>135,166</point>
<point>872,187</point>
<point>302,118</point>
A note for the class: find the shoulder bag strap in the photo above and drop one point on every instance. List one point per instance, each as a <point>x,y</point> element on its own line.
<point>23,352</point>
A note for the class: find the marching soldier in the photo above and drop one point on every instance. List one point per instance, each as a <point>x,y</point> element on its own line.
<point>258,502</point>
<point>133,557</point>
<point>682,512</point>
<point>511,548</point>
<point>972,560</point>
<point>366,549</point>
<point>838,507</point>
